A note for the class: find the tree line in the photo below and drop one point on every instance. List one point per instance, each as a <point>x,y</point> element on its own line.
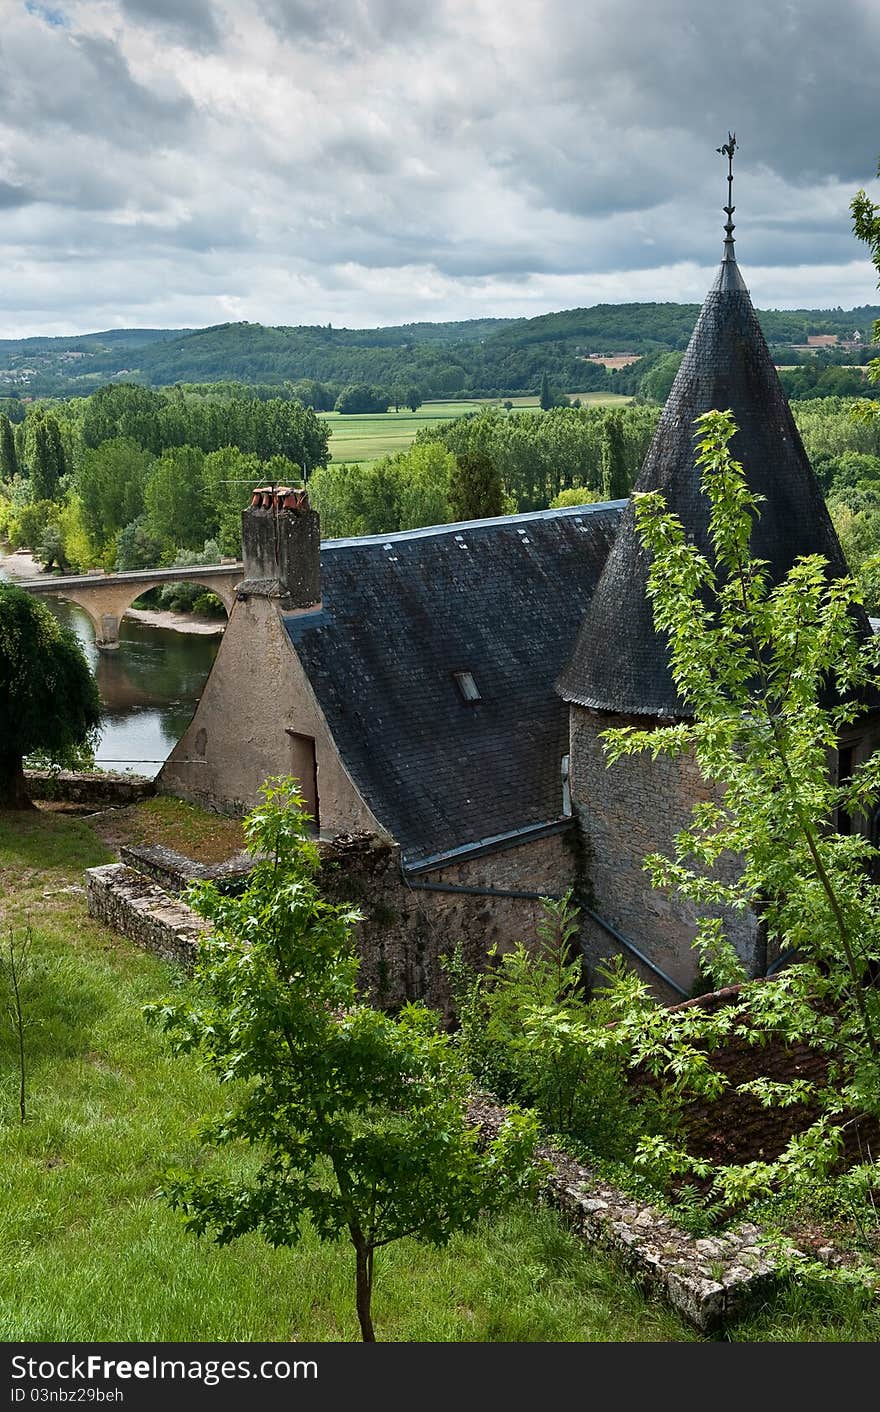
<point>486,463</point>
<point>129,478</point>
<point>469,358</point>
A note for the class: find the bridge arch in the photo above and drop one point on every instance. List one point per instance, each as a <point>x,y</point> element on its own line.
<point>106,598</point>
<point>107,607</point>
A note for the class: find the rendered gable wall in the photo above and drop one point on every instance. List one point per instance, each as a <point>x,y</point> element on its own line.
<point>257,691</point>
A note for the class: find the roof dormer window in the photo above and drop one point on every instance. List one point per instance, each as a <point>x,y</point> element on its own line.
<point>470,692</point>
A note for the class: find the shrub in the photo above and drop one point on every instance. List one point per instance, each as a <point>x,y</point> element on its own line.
<point>530,1033</point>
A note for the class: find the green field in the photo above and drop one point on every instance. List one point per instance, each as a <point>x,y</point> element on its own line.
<point>369,437</point>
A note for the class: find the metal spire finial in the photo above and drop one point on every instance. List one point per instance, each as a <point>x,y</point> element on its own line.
<point>727,151</point>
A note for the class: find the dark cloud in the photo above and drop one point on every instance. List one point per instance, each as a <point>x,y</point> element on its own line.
<point>193,22</point>
<point>351,25</point>
<point>369,156</point>
<point>119,105</point>
<point>12,196</point>
<point>798,82</point>
<point>366,160</point>
<point>83,83</point>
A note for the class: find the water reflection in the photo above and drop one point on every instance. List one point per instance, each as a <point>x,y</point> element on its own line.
<point>149,687</point>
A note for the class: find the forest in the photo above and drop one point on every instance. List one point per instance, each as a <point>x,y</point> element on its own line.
<point>131,477</point>
<point>482,357</point>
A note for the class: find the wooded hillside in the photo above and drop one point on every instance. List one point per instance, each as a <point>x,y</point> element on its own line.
<point>476,357</point>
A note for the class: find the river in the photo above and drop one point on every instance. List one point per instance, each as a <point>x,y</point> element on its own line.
<point>149,687</point>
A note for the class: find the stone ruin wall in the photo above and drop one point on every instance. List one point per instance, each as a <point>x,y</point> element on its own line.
<point>100,790</point>
<point>132,904</point>
<point>405,928</point>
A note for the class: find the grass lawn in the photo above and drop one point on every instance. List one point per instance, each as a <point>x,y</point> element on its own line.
<point>371,436</point>
<point>90,1253</point>
<point>172,823</point>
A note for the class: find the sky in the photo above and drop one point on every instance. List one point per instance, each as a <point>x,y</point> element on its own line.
<point>180,163</point>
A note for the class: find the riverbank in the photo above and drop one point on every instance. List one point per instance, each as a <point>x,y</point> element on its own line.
<point>177,622</point>
<point>20,564</point>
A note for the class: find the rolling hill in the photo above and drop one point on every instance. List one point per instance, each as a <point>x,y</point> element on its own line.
<point>481,356</point>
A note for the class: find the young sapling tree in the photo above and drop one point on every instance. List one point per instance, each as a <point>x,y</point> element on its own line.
<point>359,1119</point>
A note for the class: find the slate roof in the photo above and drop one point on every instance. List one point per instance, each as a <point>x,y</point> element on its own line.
<point>502,599</point>
<point>619,662</point>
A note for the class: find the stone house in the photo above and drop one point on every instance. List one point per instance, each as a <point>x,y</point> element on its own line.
<point>407,681</point>
<point>442,691</point>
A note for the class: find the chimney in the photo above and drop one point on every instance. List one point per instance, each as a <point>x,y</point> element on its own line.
<point>281,548</point>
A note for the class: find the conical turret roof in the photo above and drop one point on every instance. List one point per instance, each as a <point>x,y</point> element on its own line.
<point>620,663</point>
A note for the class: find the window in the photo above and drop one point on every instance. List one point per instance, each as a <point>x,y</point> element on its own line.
<point>565,772</point>
<point>470,692</point>
<point>844,775</point>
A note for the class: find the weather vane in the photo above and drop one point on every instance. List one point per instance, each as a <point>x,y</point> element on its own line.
<point>727,151</point>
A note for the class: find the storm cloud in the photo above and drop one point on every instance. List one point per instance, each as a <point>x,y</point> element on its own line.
<point>382,161</point>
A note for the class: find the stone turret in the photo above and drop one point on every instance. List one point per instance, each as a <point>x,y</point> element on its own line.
<point>619,662</point>
<point>281,548</point>
<point>619,671</point>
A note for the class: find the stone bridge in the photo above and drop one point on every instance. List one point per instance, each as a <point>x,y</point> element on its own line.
<point>106,597</point>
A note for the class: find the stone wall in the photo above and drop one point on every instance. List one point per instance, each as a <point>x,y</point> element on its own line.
<point>174,871</point>
<point>408,926</point>
<point>100,790</point>
<point>710,1280</point>
<point>405,929</point>
<point>627,810</point>
<point>138,908</point>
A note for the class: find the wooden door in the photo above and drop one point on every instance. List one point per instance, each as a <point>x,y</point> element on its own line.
<point>304,767</point>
